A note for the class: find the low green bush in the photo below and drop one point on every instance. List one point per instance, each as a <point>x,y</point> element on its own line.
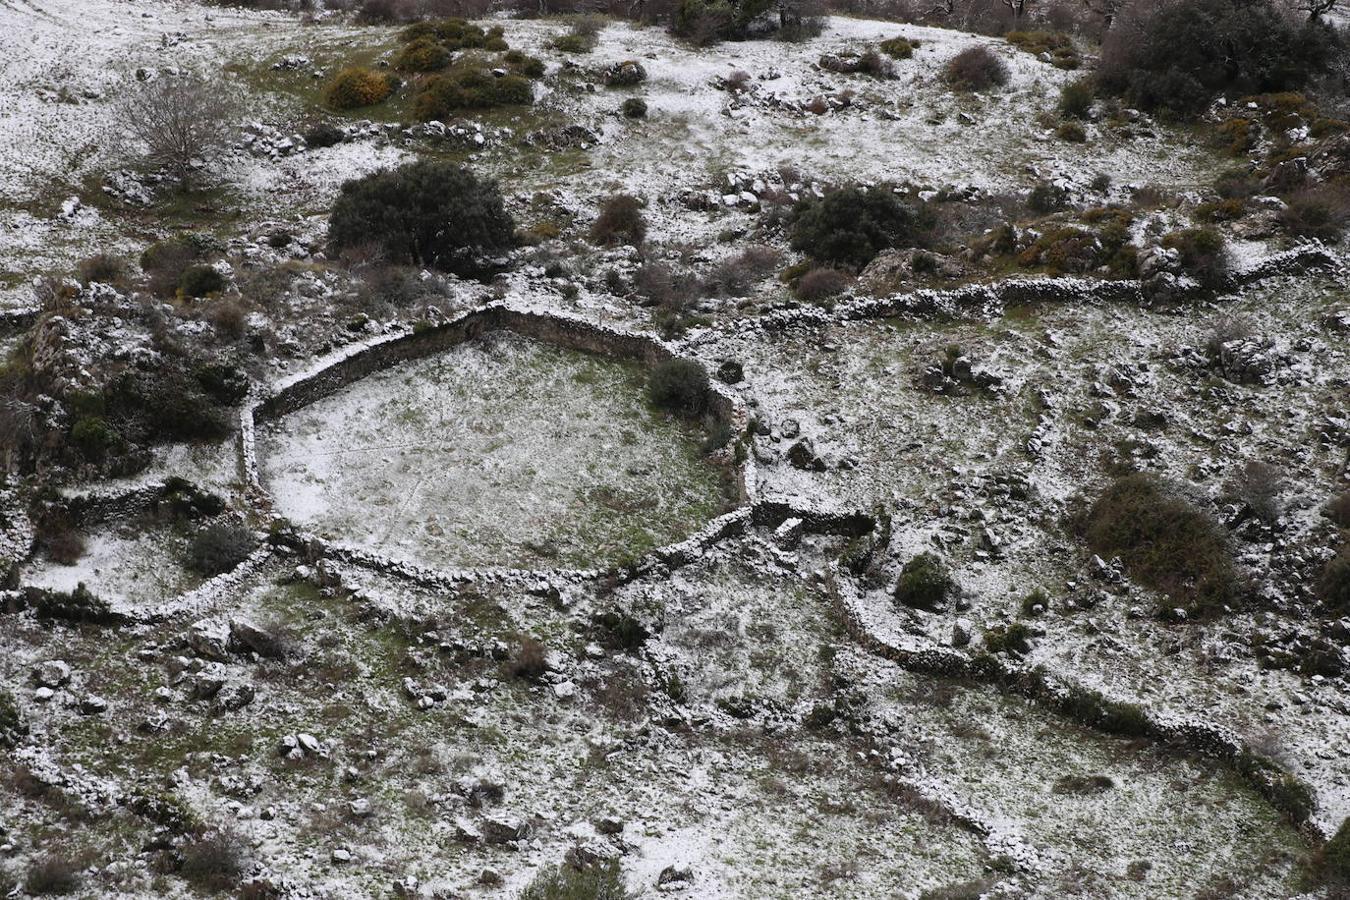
<point>925,583</point>
<point>634,108</point>
<point>850,226</point>
<point>678,385</point>
<point>200,281</point>
<point>218,548</point>
<point>1201,253</point>
<point>1165,541</point>
<point>1335,856</point>
<point>898,47</point>
<point>425,54</point>
<point>469,87</point>
<point>1075,98</point>
<point>603,881</point>
<point>976,69</point>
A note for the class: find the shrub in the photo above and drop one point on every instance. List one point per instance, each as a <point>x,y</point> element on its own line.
<point>1335,856</point>
<point>214,862</point>
<point>678,385</point>
<point>1046,198</point>
<point>165,405</point>
<point>1236,184</point>
<point>523,64</point>
<point>627,73</point>
<point>898,47</point>
<point>1176,57</point>
<point>427,213</point>
<point>634,108</point>
<point>603,881</point>
<point>850,226</point>
<point>1322,212</point>
<point>1075,99</point>
<point>357,86</point>
<point>821,283</point>
<point>620,222</point>
<point>704,22</point>
<point>736,275</point>
<point>529,662</point>
<point>324,134</point>
<point>11,721</point>
<point>1094,709</point>
<point>218,548</point>
<point>1338,510</point>
<point>925,583</point>
<point>55,874</point>
<point>976,69</point>
<point>103,268</point>
<point>1258,486</point>
<point>425,54</point>
<point>198,281</point>
<point>1201,254</point>
<point>1056,45</point>
<point>1072,132</point>
<point>470,87</point>
<point>1334,585</point>
<point>1165,541</point>
<point>1013,638</point>
<point>94,437</point>
<point>165,261</point>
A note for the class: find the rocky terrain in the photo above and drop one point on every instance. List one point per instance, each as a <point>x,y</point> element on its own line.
<point>826,474</point>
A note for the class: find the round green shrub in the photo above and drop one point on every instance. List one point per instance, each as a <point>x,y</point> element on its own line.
<point>1336,855</point>
<point>850,226</point>
<point>634,108</point>
<point>218,548</point>
<point>620,222</point>
<point>427,213</point>
<point>925,583</point>
<point>976,69</point>
<point>678,385</point>
<point>199,281</point>
<point>425,54</point>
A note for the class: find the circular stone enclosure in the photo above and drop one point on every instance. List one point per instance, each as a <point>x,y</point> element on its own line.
<point>508,440</point>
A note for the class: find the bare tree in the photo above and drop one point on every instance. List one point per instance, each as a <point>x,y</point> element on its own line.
<point>1316,9</point>
<point>181,120</point>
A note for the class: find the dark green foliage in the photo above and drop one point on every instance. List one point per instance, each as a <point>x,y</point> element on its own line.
<point>456,34</point>
<point>523,64</point>
<point>620,222</point>
<point>198,281</point>
<point>925,583</point>
<point>1335,856</point>
<point>94,437</point>
<point>1291,796</point>
<point>79,605</point>
<point>1075,99</point>
<point>222,382</point>
<point>898,47</point>
<point>976,69</point>
<point>1047,198</point>
<point>678,385</point>
<point>850,226</point>
<point>167,405</point>
<point>425,54</point>
<point>1322,212</point>
<point>1202,254</point>
<point>706,22</point>
<point>218,548</point>
<point>1092,708</point>
<point>622,631</point>
<point>634,108</point>
<point>1165,541</point>
<point>324,134</point>
<point>424,213</point>
<point>470,87</point>
<point>165,261</point>
<point>12,727</point>
<point>1334,585</point>
<point>185,500</point>
<point>1177,57</point>
<point>603,881</point>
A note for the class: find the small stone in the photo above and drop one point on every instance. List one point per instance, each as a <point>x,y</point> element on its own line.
<point>341,855</point>
<point>92,705</point>
<point>52,674</point>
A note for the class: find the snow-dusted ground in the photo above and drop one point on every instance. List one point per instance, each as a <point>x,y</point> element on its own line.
<point>710,744</point>
<point>501,452</point>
